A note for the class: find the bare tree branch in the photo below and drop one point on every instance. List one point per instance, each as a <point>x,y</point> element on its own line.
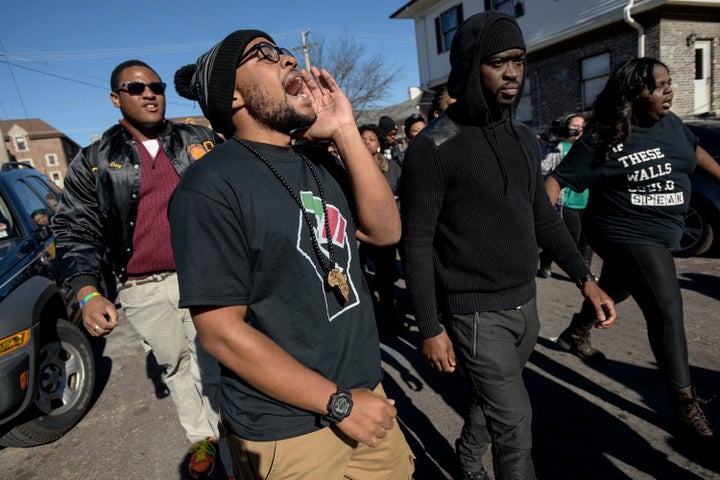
<point>365,79</point>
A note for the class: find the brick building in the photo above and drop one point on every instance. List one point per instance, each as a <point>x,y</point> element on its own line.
<point>572,47</point>
<point>37,143</point>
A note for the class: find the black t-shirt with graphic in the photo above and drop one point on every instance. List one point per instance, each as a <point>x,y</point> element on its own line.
<point>239,238</point>
<point>641,194</point>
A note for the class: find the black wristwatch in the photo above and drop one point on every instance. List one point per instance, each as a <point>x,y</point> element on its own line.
<point>587,278</point>
<point>339,406</point>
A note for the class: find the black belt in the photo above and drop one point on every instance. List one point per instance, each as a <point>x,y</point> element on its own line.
<point>153,278</point>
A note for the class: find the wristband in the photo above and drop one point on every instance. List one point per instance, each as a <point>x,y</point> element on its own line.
<point>88,297</point>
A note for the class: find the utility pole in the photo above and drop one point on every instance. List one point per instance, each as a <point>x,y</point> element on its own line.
<point>305,47</point>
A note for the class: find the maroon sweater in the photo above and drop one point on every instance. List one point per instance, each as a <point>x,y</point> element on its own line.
<point>151,241</point>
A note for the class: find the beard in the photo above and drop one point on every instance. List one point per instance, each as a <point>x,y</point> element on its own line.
<point>278,114</point>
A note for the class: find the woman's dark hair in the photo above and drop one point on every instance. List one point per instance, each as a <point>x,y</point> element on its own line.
<point>437,101</point>
<point>412,119</point>
<point>613,111</point>
<point>379,158</point>
<point>372,127</point>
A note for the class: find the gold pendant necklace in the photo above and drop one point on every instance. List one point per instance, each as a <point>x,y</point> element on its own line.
<point>335,279</point>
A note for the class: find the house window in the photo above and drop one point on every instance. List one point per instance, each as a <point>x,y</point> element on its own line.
<point>21,145</point>
<point>595,73</point>
<point>51,160</point>
<point>445,27</point>
<point>56,177</point>
<point>514,8</point>
<point>523,110</point>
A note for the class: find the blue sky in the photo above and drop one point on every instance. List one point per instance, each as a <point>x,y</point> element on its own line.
<point>61,54</point>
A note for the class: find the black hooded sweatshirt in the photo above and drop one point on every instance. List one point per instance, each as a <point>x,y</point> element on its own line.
<point>475,207</point>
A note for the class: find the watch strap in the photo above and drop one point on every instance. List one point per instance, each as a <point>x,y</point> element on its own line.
<point>331,416</point>
<point>587,278</point>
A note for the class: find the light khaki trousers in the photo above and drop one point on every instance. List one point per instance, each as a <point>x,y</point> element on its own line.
<point>324,454</point>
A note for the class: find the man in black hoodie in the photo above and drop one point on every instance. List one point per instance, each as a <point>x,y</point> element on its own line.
<point>474,211</point>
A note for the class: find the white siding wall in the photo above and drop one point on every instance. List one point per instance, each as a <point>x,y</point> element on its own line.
<point>435,68</point>
<point>543,20</point>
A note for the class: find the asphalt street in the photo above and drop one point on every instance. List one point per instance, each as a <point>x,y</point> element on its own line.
<point>603,421</point>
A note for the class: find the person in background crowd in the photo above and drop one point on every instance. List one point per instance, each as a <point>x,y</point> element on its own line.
<point>115,198</point>
<point>40,217</point>
<point>413,124</point>
<point>383,258</point>
<point>440,102</point>
<point>332,149</point>
<point>474,210</point>
<point>388,132</point>
<point>636,156</point>
<point>573,203</point>
<point>265,237</point>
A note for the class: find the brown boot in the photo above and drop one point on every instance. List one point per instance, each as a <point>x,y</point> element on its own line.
<point>576,340</point>
<point>690,419</point>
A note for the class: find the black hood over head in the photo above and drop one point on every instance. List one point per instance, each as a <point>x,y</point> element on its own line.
<point>479,37</point>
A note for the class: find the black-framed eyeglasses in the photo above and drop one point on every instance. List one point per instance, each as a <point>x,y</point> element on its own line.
<point>137,88</point>
<point>267,51</point>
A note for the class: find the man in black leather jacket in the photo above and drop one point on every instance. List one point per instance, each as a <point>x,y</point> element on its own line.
<point>114,203</point>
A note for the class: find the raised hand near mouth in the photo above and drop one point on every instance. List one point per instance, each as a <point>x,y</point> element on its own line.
<point>332,107</point>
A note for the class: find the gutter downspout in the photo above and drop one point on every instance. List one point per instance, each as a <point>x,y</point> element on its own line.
<point>633,23</point>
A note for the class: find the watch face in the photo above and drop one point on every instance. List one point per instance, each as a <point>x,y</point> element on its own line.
<point>342,405</point>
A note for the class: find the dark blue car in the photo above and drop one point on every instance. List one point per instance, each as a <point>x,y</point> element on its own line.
<point>47,368</point>
<point>702,221</point>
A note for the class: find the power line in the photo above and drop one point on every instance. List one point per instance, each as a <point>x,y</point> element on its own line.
<point>9,63</point>
<point>17,89</point>
<point>112,52</point>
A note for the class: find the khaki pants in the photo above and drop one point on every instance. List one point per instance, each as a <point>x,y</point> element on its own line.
<point>325,454</point>
<point>191,374</point>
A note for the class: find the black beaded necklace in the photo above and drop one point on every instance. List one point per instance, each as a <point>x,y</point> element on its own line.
<point>334,277</point>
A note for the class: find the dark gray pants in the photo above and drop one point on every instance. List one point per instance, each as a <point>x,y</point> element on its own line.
<point>492,349</point>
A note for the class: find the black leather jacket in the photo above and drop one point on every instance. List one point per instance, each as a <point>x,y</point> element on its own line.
<point>99,204</point>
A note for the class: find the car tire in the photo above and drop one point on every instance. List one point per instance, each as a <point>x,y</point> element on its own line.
<point>698,232</point>
<point>66,385</point>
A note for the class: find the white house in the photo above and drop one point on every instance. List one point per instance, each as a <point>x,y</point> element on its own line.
<point>573,45</point>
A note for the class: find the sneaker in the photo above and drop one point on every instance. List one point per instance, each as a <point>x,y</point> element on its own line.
<point>202,460</point>
<point>545,272</point>
<point>576,340</point>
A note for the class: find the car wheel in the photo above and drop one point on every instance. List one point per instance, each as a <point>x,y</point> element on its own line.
<point>698,233</point>
<point>66,384</point>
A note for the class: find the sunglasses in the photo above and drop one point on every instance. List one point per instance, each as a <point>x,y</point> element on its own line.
<point>265,50</point>
<point>138,88</point>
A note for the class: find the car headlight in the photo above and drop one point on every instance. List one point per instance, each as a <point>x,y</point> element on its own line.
<point>14,341</point>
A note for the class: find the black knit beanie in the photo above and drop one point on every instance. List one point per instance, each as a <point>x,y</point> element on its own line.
<point>211,80</point>
<point>503,34</point>
<point>479,37</point>
<point>488,33</point>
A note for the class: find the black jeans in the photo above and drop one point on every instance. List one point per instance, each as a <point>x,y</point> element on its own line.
<point>647,272</point>
<point>573,219</point>
<point>492,349</point>
<point>386,274</point>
